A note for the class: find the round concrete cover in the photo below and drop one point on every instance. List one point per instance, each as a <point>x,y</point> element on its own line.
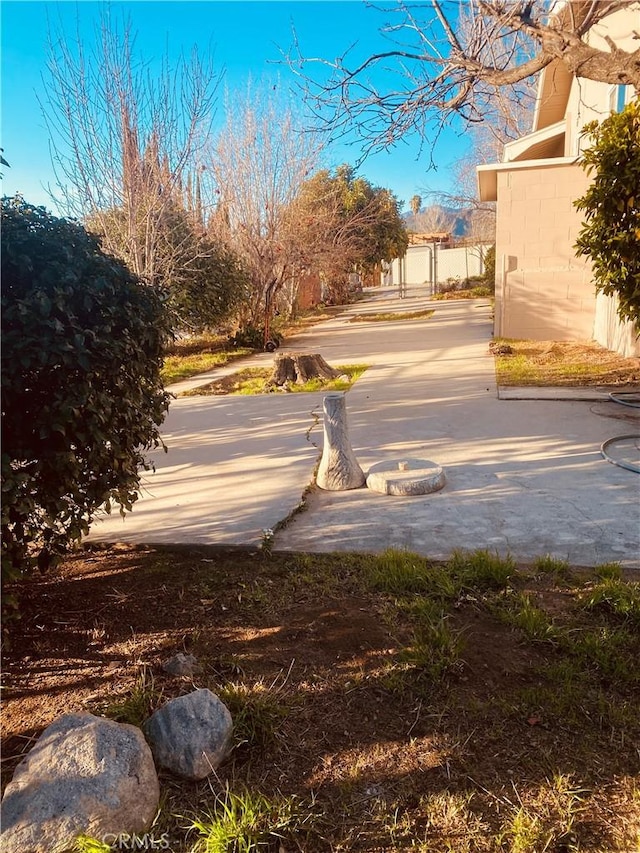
<point>402,477</point>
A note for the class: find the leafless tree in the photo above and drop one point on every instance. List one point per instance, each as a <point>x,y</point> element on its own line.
<point>123,139</point>
<point>432,220</point>
<point>261,159</point>
<point>453,58</point>
<point>510,118</point>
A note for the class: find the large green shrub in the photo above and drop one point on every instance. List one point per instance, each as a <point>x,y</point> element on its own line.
<point>204,281</point>
<point>81,392</point>
<point>610,235</point>
<point>490,268</point>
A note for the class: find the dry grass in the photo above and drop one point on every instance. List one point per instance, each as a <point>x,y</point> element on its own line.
<point>560,363</point>
<point>196,354</point>
<point>256,380</point>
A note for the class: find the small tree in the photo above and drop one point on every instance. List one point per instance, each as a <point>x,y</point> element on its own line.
<point>204,282</point>
<point>81,391</point>
<point>611,233</point>
<point>348,225</point>
<point>490,267</point>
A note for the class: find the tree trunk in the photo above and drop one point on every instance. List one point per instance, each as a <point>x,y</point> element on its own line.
<point>299,367</point>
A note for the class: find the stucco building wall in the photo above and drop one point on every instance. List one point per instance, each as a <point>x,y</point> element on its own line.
<point>543,291</point>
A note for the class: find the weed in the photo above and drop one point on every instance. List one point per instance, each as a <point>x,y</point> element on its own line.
<point>245,822</point>
<point>401,572</point>
<point>616,597</point>
<point>545,822</point>
<point>480,570</point>
<point>611,651</point>
<point>435,648</point>
<point>266,545</point>
<point>139,703</point>
<point>519,611</point>
<point>609,571</point>
<point>256,713</point>
<point>552,566</point>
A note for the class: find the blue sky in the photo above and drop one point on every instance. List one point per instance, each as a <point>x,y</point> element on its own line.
<point>246,39</point>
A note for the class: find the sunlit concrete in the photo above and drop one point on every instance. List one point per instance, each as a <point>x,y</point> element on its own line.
<point>524,477</point>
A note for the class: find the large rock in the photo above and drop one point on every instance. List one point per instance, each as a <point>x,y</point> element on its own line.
<point>85,774</point>
<point>190,735</point>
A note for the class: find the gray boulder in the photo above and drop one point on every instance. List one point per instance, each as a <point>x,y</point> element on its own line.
<point>190,735</point>
<point>85,774</point>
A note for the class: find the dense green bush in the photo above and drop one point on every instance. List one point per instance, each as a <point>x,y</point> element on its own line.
<point>208,290</point>
<point>610,235</point>
<point>81,392</point>
<point>204,281</point>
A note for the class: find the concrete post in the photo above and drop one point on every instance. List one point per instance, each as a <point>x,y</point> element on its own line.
<point>339,469</point>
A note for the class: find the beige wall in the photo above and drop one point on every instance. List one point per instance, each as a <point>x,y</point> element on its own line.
<point>543,291</point>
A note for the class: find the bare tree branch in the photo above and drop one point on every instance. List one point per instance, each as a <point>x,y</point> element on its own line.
<point>122,141</point>
<point>450,58</point>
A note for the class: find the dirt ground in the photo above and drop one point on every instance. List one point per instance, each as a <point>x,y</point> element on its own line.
<point>379,755</point>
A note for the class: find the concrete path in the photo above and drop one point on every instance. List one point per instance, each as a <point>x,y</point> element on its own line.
<point>524,477</point>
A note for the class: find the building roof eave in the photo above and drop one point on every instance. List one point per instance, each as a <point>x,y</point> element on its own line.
<point>487,175</point>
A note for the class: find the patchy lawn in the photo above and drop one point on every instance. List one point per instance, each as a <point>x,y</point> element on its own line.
<point>182,366</point>
<point>255,380</point>
<point>196,354</point>
<point>467,293</point>
<point>392,316</point>
<point>380,703</point>
<point>560,363</point>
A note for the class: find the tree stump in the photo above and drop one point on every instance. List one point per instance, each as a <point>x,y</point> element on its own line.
<point>299,367</point>
<point>339,469</point>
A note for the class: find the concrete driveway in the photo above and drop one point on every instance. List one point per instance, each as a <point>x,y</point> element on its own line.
<point>524,477</point>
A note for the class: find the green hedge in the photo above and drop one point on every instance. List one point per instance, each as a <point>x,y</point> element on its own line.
<point>81,393</point>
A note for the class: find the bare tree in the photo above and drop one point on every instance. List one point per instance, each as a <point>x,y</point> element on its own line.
<point>261,158</point>
<point>122,141</point>
<point>510,118</point>
<point>453,58</point>
<point>433,220</point>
